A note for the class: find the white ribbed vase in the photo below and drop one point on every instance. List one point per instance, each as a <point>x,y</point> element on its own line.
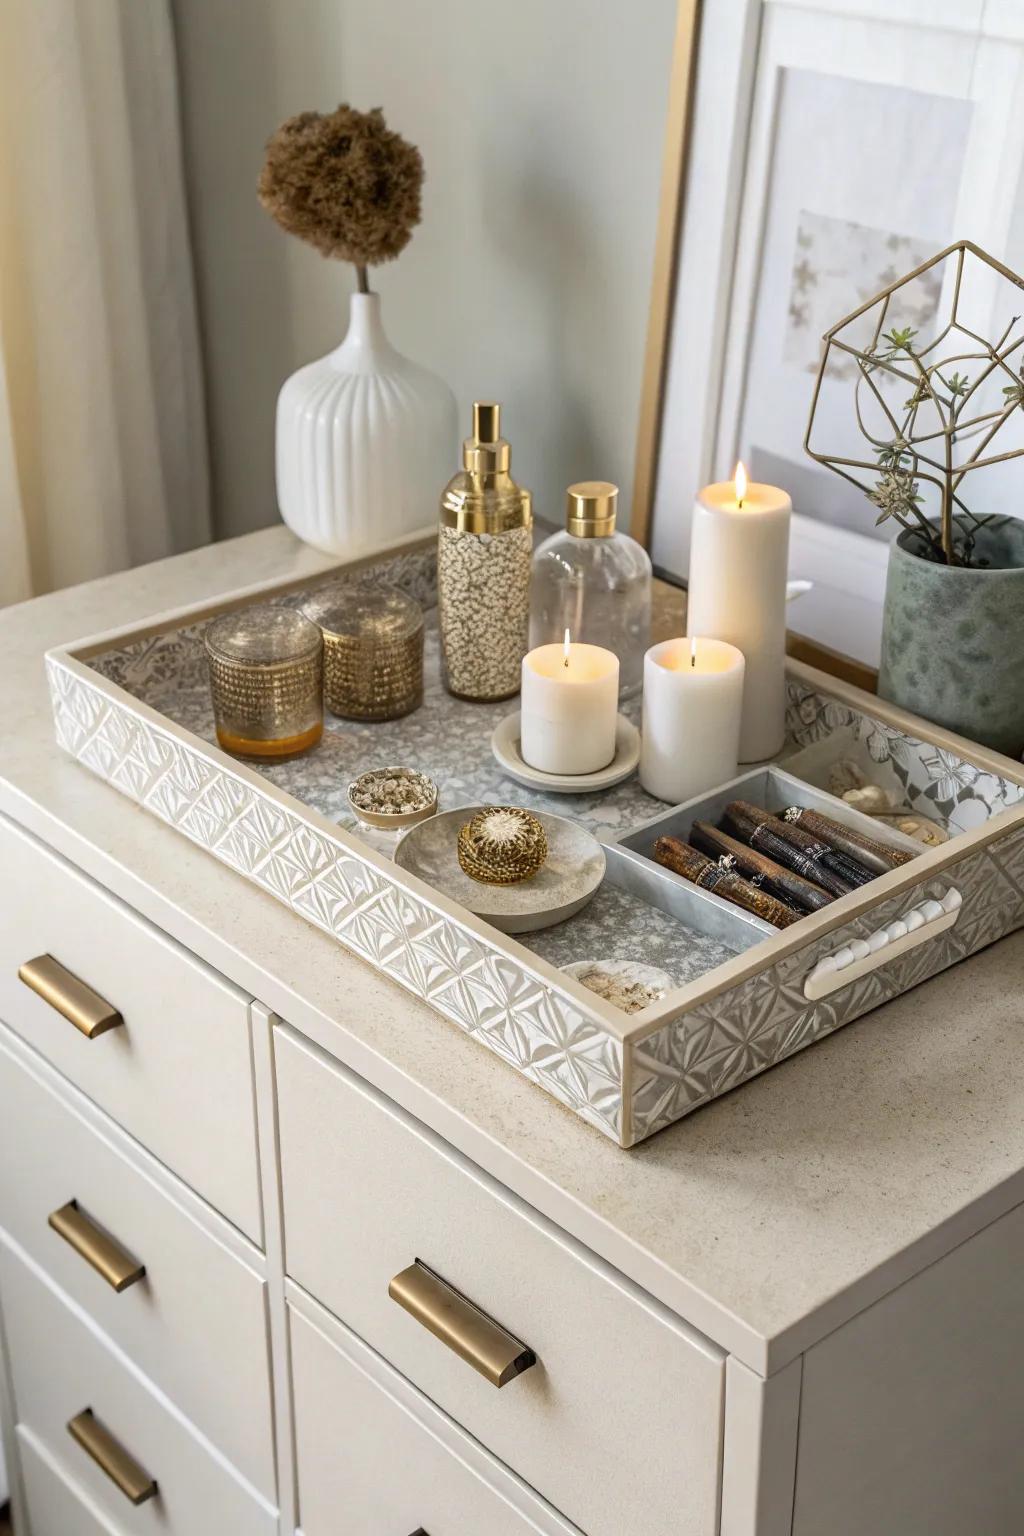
<point>365,441</point>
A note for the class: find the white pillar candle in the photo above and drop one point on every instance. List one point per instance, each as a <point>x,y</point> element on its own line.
<point>739,554</point>
<point>569,707</point>
<point>693,701</point>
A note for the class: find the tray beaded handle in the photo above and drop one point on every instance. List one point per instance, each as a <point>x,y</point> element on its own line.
<point>859,956</point>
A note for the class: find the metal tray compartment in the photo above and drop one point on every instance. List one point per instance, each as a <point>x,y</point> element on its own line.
<point>133,707</point>
<point>645,913</point>
<point>772,789</point>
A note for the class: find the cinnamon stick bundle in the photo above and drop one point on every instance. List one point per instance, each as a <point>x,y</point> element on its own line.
<point>797,849</point>
<point>775,879</point>
<point>877,856</point>
<point>676,855</point>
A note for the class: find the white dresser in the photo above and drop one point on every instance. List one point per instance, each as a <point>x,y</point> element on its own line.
<point>271,1232</point>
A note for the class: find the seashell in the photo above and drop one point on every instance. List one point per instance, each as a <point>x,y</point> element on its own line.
<point>845,775</point>
<point>872,799</point>
<point>923,831</point>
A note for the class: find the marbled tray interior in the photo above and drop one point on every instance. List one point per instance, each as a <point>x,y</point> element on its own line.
<point>450,740</point>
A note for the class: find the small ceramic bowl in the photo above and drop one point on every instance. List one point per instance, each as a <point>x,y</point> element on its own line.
<point>626,984</point>
<point>565,882</point>
<point>392,798</point>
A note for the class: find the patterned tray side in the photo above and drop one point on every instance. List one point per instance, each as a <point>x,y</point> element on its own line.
<point>763,1020</point>
<point>935,783</point>
<point>489,995</point>
<point>559,1043</point>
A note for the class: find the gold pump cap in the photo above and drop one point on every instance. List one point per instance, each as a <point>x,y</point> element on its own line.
<point>483,497</point>
<point>486,452</point>
<point>590,507</point>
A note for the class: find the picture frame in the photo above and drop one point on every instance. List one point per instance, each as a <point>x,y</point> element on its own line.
<point>921,101</point>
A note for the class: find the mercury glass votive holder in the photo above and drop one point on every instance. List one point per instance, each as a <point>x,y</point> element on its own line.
<point>266,678</point>
<point>373,650</point>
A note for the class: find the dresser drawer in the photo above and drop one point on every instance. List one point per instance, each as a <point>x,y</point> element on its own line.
<point>177,1071</point>
<point>61,1367</point>
<point>368,1443</point>
<point>196,1320</point>
<point>618,1423</point>
<point>58,1507</point>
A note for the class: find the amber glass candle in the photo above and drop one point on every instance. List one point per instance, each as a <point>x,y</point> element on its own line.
<point>266,678</point>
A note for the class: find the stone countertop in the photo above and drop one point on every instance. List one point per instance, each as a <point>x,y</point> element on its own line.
<point>767,1218</point>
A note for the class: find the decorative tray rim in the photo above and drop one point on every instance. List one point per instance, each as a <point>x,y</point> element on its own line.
<point>628,1030</point>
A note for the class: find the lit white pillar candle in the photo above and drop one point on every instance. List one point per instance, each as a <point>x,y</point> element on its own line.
<point>739,554</point>
<point>569,707</point>
<point>693,700</point>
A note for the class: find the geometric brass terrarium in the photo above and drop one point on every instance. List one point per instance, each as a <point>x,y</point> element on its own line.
<point>931,394</point>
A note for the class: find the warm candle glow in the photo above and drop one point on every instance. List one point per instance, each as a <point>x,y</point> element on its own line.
<point>693,700</point>
<point>739,547</point>
<point>569,707</point>
<point>695,654</point>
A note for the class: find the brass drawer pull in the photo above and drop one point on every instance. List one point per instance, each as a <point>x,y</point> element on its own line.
<point>475,1337</point>
<point>112,1458</point>
<point>79,1004</point>
<point>106,1256</point>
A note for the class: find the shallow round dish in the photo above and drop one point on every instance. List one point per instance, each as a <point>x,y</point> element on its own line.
<point>394,821</point>
<point>626,984</point>
<point>569,877</point>
<point>506,748</point>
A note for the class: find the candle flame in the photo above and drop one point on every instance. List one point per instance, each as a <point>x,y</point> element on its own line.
<point>565,648</point>
<point>693,651</point>
<point>739,480</point>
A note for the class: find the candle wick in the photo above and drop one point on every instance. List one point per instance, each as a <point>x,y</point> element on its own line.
<point>565,663</point>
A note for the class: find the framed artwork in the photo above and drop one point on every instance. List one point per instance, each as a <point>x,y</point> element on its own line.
<point>821,150</point>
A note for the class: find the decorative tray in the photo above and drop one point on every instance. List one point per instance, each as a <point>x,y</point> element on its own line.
<point>135,708</point>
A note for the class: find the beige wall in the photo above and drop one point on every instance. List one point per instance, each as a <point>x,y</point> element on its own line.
<point>540,123</point>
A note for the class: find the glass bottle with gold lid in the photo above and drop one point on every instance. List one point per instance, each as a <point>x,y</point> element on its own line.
<point>594,582</point>
<point>483,567</point>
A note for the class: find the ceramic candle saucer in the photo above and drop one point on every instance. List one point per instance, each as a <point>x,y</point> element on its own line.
<point>505,745</point>
<point>568,878</point>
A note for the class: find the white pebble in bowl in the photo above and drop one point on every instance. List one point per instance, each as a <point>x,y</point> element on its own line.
<point>392,798</point>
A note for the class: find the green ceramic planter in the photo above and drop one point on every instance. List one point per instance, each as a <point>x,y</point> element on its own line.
<point>953,638</point>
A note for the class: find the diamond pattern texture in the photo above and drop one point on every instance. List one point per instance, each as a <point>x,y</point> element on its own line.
<point>767,1018</point>
<point>493,997</point>
<point>487,994</point>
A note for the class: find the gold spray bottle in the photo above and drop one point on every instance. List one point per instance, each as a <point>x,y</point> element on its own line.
<point>484,548</point>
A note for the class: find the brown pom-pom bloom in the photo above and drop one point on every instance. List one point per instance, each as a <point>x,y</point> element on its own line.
<point>345,182</point>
